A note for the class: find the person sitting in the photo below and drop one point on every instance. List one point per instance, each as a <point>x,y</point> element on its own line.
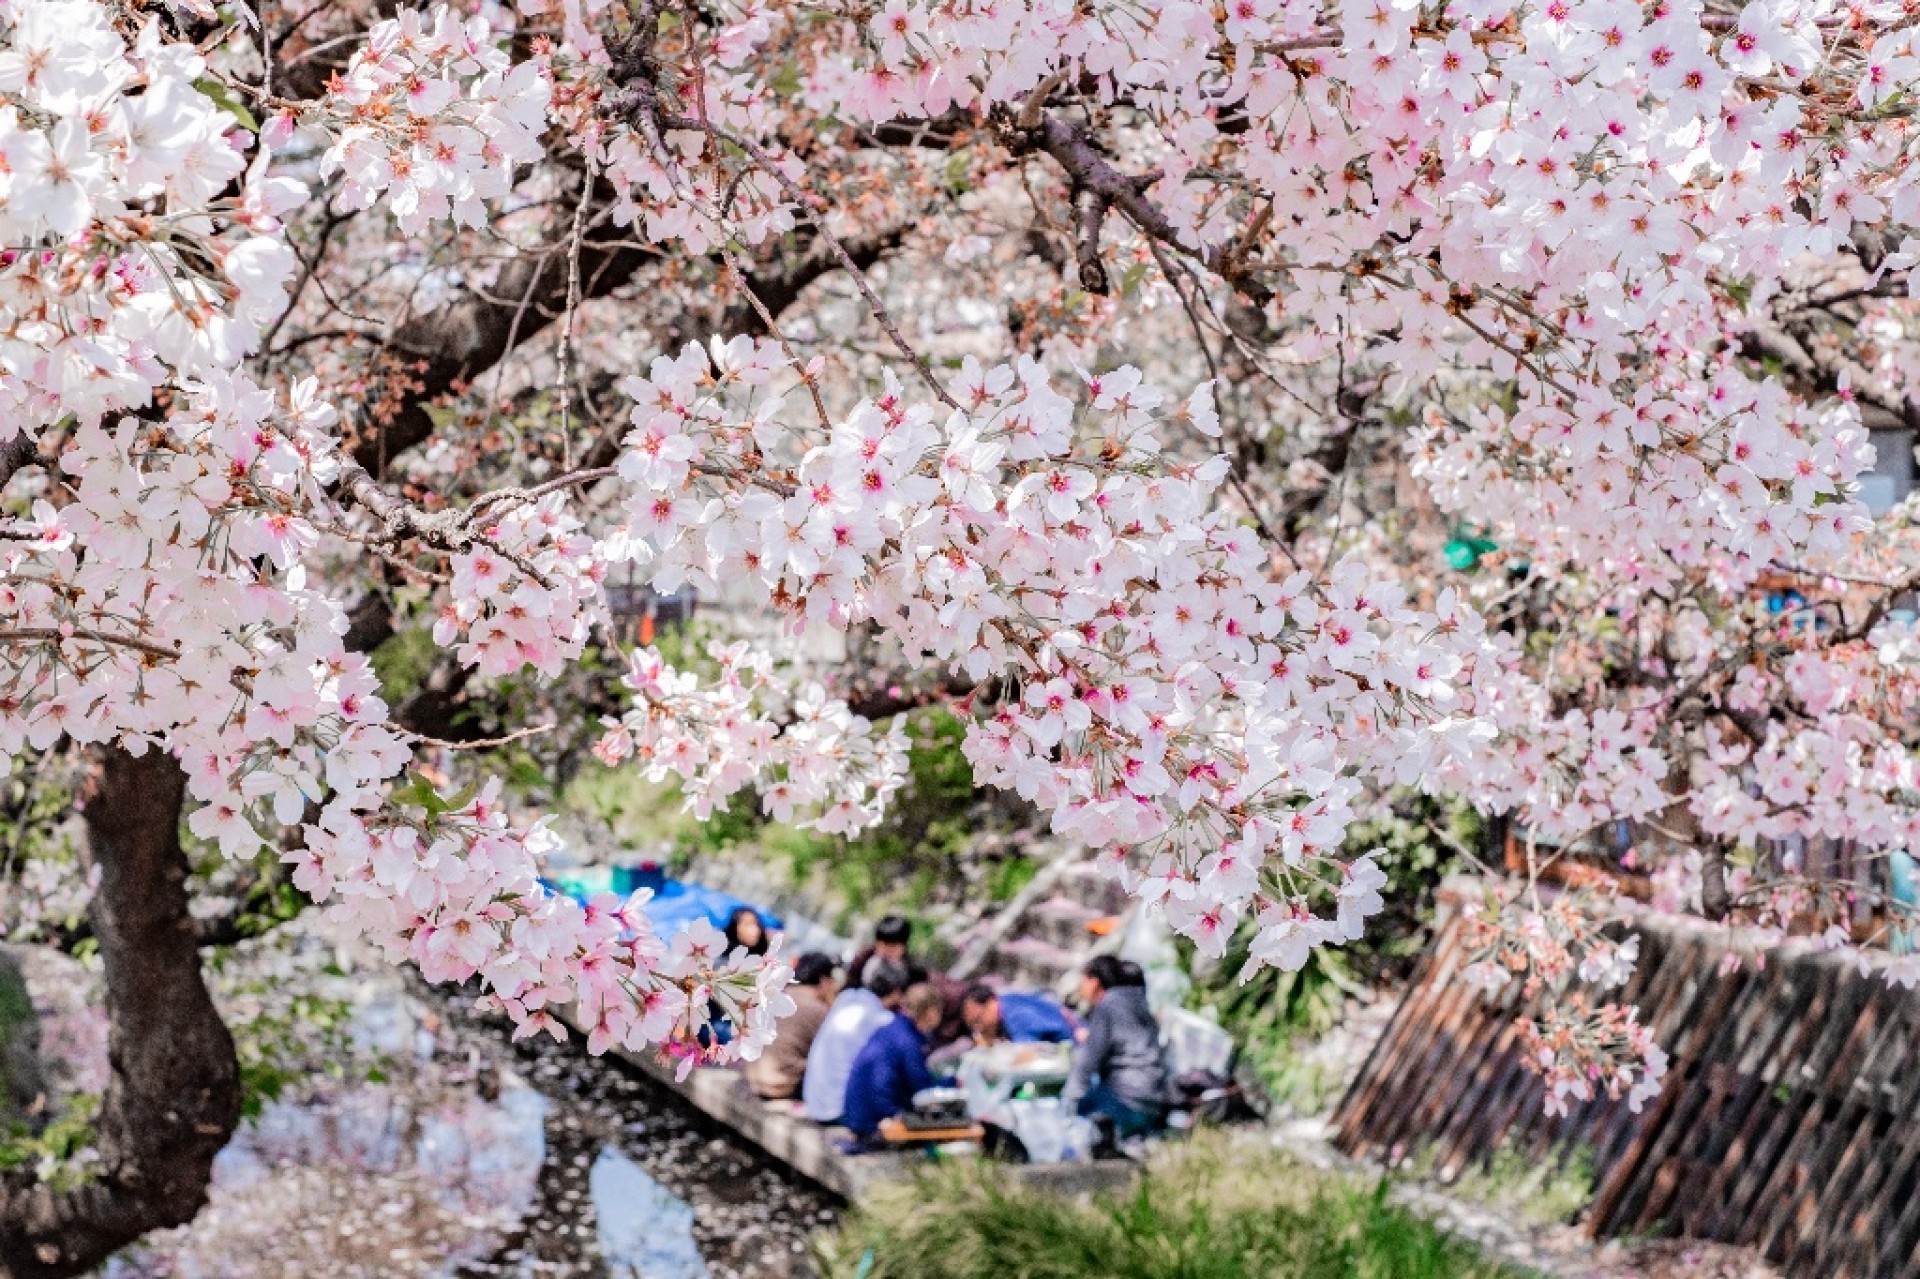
<point>1014,1017</point>
<point>890,937</point>
<point>745,930</point>
<point>776,1073</point>
<point>893,1065</point>
<point>853,1019</point>
<point>1119,1071</point>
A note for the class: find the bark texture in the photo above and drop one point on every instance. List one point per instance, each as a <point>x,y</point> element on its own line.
<point>173,1095</point>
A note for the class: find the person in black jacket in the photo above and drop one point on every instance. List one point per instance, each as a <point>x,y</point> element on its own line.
<point>1119,1070</point>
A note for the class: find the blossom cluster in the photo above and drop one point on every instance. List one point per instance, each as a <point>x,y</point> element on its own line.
<point>114,276</point>
<point>1163,694</point>
<point>526,593</point>
<point>1580,1056</point>
<point>431,115</point>
<point>1557,954</point>
<point>457,893</point>
<point>805,753</point>
<point>1842,770</point>
<point>1563,774</point>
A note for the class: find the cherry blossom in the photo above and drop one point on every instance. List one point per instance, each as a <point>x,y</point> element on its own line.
<point>1564,251</point>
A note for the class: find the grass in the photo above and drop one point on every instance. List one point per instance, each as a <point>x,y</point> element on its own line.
<point>1202,1210</point>
<point>1541,1191</point>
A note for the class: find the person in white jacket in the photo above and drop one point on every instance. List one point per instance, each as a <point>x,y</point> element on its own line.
<point>854,1019</point>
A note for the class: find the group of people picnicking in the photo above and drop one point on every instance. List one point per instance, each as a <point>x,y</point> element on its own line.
<point>855,1053</point>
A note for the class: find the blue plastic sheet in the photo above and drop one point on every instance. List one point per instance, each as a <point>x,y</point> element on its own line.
<point>677,903</point>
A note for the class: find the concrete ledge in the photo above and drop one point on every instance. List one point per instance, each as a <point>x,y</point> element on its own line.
<point>774,1126</point>
<point>808,1148</point>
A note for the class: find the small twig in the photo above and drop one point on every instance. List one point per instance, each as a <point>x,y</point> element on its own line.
<point>538,491</point>
<point>59,634</point>
<point>485,743</point>
<point>1236,465</point>
<point>573,304</point>
<point>728,256</point>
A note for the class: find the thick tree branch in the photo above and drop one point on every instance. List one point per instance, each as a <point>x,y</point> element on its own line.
<point>1090,212</point>
<point>173,1095</point>
<point>456,344</point>
<point>885,701</point>
<point>1715,901</point>
<point>1089,171</point>
<point>20,451</point>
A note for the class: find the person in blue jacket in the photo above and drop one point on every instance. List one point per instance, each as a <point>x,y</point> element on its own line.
<point>1015,1016</point>
<point>893,1065</point>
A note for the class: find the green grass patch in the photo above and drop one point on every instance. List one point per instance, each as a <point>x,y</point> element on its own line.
<point>1542,1191</point>
<point>1202,1210</point>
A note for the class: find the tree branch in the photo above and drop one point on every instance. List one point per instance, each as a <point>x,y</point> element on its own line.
<point>1073,148</point>
<point>1715,901</point>
<point>454,345</point>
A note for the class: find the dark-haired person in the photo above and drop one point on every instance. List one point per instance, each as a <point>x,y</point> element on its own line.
<point>1119,1070</point>
<point>854,1018</point>
<point>890,938</point>
<point>746,930</point>
<point>777,1072</point>
<point>1015,1017</point>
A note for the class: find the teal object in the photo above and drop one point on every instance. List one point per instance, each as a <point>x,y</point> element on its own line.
<point>1466,549</point>
<point>1904,873</point>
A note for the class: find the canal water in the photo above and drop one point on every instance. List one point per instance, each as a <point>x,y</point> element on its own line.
<point>636,1184</point>
<point>467,1156</point>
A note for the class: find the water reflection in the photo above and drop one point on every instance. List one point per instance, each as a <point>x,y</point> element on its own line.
<point>419,1177</point>
<point>645,1232</point>
<point>374,1180</point>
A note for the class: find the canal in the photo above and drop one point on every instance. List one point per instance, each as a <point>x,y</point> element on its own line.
<point>443,1150</point>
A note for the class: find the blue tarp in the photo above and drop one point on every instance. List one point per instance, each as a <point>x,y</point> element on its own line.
<point>679,903</point>
<point>674,905</point>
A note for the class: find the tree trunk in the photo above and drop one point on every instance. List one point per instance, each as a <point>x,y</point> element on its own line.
<point>173,1097</point>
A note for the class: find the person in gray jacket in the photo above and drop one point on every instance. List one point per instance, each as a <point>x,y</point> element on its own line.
<point>1119,1070</point>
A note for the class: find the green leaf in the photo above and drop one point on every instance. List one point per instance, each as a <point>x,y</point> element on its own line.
<point>461,799</point>
<point>223,98</point>
<point>418,792</point>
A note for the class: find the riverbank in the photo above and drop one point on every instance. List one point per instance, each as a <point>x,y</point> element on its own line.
<point>439,1149</point>
<point>425,1144</point>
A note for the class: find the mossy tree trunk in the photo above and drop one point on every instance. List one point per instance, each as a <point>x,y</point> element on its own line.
<point>173,1091</point>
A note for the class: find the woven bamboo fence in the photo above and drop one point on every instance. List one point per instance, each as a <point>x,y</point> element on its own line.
<point>1789,1121</point>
